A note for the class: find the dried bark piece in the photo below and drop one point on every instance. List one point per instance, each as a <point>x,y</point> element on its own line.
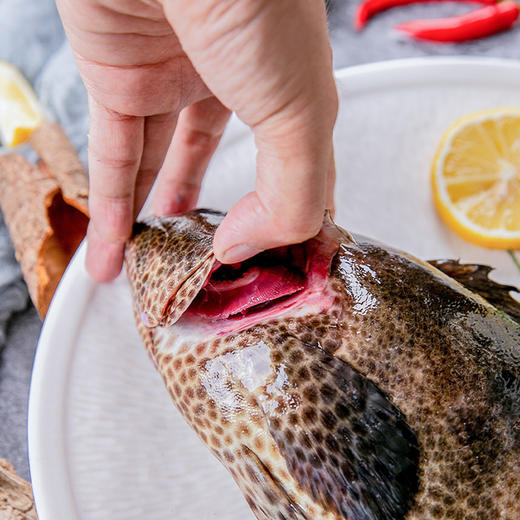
<point>16,498</point>
<point>45,228</point>
<point>56,151</point>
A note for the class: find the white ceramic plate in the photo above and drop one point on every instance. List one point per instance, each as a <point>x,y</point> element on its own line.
<point>105,442</point>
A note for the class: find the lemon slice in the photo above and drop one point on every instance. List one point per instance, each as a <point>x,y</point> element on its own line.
<point>20,113</point>
<point>476,178</point>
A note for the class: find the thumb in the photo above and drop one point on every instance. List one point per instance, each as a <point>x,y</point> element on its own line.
<point>295,172</point>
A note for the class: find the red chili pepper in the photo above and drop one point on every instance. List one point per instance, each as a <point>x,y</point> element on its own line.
<point>368,8</point>
<point>470,26</point>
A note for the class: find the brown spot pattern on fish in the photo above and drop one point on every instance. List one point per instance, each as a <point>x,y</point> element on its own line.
<point>166,265</point>
<point>425,330</point>
<point>234,428</point>
<point>315,416</point>
<point>326,422</point>
<point>401,401</point>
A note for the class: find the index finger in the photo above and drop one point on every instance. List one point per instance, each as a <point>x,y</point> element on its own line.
<point>114,154</point>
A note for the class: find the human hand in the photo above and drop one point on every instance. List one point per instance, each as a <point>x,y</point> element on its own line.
<point>162,78</point>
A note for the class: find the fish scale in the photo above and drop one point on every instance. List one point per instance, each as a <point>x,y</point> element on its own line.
<point>234,428</point>
<point>384,389</point>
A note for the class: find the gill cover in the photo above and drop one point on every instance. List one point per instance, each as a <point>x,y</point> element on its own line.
<point>167,261</point>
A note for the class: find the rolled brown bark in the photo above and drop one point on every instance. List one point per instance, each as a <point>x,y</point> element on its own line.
<point>16,498</point>
<point>59,156</point>
<point>45,209</point>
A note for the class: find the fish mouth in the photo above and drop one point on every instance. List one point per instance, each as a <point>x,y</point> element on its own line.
<point>264,284</point>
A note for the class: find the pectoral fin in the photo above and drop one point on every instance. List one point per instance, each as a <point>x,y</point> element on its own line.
<point>265,494</point>
<point>343,440</point>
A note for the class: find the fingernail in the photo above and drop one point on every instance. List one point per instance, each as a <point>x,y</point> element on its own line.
<point>239,253</point>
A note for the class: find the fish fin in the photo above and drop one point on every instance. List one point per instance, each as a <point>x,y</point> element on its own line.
<point>264,494</point>
<point>475,278</point>
<point>343,440</point>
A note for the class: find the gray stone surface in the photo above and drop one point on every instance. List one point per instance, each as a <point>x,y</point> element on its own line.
<point>15,375</point>
<point>13,291</point>
<point>379,41</point>
<point>31,37</point>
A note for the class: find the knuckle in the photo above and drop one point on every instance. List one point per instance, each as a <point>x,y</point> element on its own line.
<point>112,236</point>
<point>110,161</point>
<point>199,138</point>
<point>111,216</point>
<point>105,198</point>
<point>145,177</point>
<point>110,232</point>
<point>115,115</point>
<point>114,232</point>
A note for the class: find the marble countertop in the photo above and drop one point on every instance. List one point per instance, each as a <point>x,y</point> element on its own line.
<point>36,33</point>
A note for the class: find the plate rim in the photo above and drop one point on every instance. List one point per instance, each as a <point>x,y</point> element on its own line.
<point>403,70</point>
<point>47,445</point>
<point>46,425</point>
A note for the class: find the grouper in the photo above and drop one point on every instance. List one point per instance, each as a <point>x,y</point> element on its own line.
<point>338,378</point>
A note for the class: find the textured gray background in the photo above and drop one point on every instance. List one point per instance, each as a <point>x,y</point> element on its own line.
<point>31,37</point>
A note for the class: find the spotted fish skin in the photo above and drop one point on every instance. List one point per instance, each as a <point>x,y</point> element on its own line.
<point>383,390</point>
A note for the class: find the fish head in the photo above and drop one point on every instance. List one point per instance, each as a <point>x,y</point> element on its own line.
<point>173,272</point>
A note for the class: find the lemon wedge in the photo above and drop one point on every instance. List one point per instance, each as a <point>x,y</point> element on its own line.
<point>20,113</point>
<point>476,178</point>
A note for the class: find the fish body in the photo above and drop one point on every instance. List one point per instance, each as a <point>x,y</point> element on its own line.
<point>335,379</point>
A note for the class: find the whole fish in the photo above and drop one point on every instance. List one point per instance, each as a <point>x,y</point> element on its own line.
<point>338,378</point>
